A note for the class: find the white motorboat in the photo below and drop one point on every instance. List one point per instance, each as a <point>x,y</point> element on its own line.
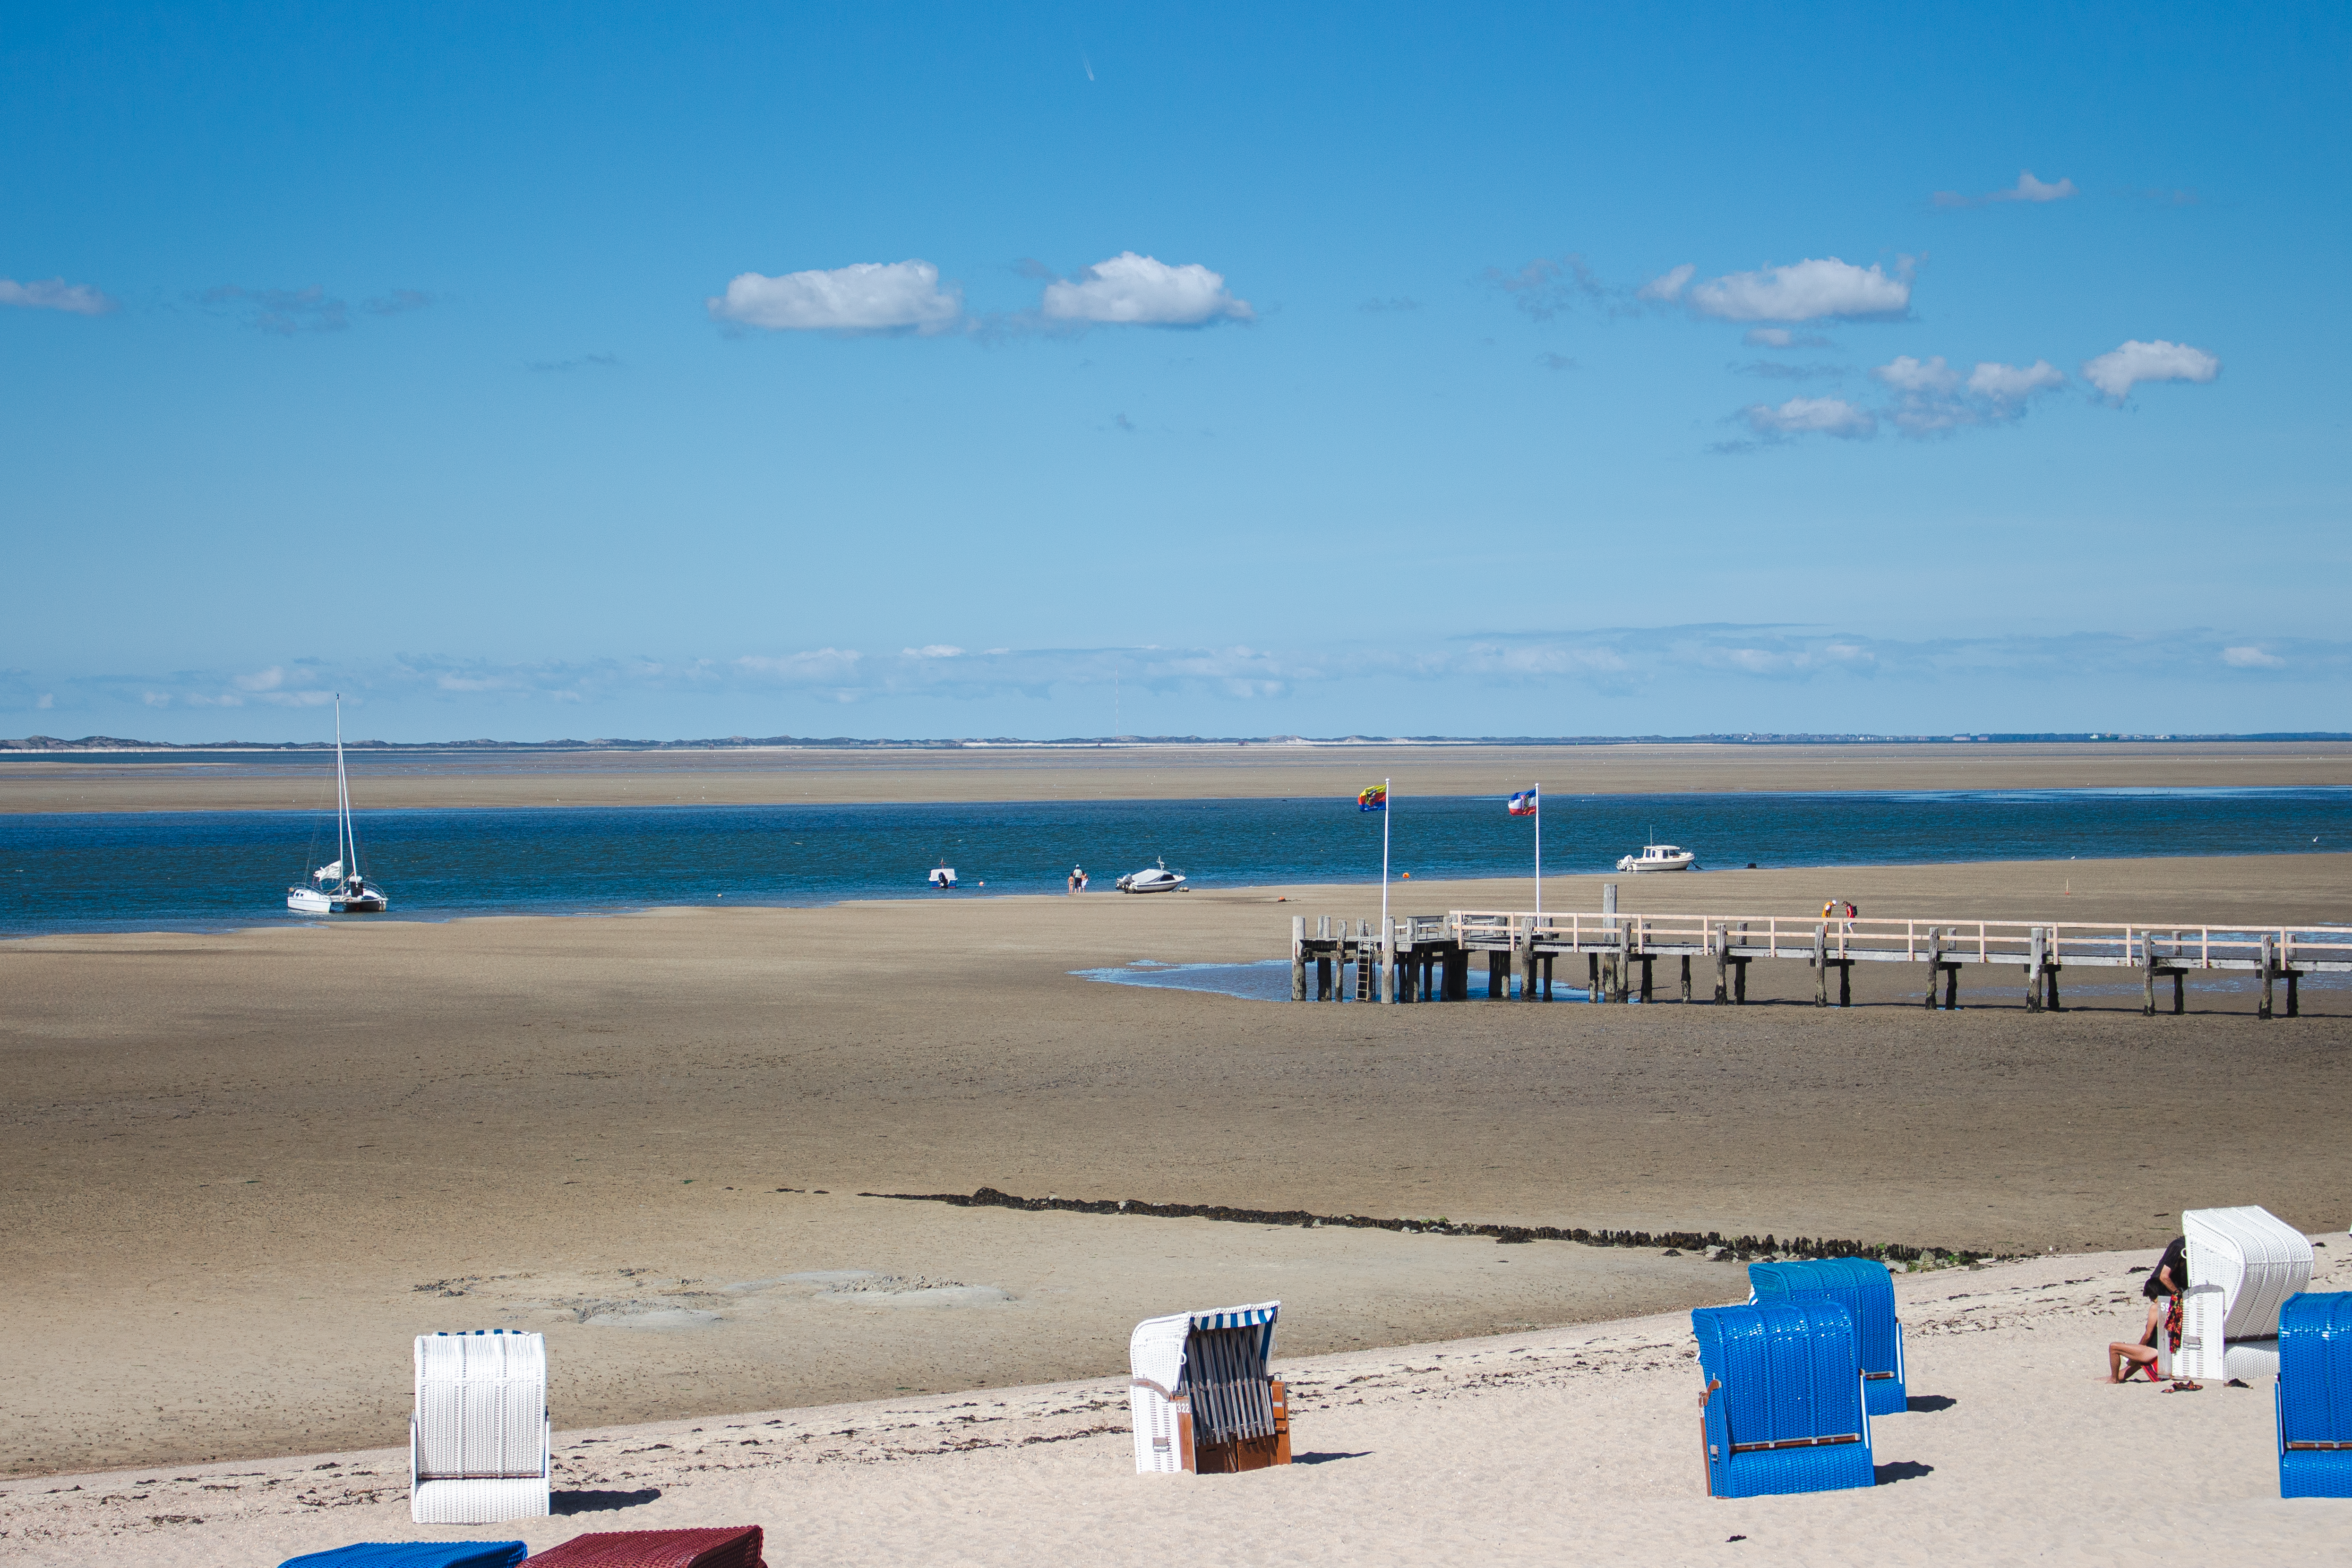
<point>943,878</point>
<point>1156,878</point>
<point>1659,857</point>
<point>340,887</point>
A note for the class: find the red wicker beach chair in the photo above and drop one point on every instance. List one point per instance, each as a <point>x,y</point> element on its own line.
<point>725,1547</point>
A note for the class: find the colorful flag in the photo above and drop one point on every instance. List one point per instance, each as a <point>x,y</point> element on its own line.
<point>1523,804</point>
<point>1373,799</point>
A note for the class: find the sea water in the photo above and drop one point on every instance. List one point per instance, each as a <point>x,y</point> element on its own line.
<point>69,872</point>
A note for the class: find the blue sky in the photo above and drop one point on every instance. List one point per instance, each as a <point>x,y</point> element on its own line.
<point>934,370</point>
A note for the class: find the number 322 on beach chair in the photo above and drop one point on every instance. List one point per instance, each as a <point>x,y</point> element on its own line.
<point>1203,1401</point>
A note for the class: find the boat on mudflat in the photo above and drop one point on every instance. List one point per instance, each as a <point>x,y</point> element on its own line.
<point>1659,857</point>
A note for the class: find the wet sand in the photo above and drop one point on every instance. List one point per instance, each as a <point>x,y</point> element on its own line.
<point>392,780</point>
<point>243,1168</point>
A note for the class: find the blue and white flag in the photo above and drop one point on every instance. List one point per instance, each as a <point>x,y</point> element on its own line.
<point>1523,804</point>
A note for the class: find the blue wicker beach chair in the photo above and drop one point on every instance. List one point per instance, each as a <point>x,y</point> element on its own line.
<point>2314,1395</point>
<point>1866,1292</point>
<point>1782,1410</point>
<point>414,1555</point>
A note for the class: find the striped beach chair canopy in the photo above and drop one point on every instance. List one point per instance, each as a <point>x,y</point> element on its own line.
<point>1156,1350</point>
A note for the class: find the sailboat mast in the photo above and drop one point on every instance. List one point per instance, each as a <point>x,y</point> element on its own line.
<point>343,848</point>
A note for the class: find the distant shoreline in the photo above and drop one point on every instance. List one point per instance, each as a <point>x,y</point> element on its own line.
<point>291,778</point>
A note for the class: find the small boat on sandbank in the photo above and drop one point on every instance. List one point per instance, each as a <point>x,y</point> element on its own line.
<point>1155,878</point>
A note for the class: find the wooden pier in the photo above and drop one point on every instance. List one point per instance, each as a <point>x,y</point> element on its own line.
<point>1427,957</point>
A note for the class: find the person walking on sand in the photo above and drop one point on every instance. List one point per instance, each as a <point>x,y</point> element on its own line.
<point>2164,1288</point>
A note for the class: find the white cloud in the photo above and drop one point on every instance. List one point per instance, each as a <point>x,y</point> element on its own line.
<point>1143,291</point>
<point>2028,189</point>
<point>1906,374</point>
<point>1803,291</point>
<point>934,651</point>
<point>2117,371</point>
<point>1811,415</point>
<point>55,294</point>
<point>2250,658</point>
<point>2014,383</point>
<point>1932,397</point>
<point>864,297</point>
<point>1668,285</point>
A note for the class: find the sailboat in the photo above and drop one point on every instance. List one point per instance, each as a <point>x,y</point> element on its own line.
<point>339,887</point>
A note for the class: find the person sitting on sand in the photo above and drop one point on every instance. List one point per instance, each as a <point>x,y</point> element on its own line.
<point>2163,1288</point>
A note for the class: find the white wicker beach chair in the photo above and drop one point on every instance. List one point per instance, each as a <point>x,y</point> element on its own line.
<point>478,1445</point>
<point>2244,1263</point>
<point>1229,1416</point>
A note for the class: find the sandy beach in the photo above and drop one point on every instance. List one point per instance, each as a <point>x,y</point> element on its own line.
<point>1561,1445</point>
<point>646,1135</point>
<point>387,780</point>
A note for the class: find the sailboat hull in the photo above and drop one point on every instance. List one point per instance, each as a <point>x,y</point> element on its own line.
<point>308,901</point>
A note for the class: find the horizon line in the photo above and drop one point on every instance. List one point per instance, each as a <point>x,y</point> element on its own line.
<point>43,744</point>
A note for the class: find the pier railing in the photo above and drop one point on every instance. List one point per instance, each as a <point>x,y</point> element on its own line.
<point>2093,944</point>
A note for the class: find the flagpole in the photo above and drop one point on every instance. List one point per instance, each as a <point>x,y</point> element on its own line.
<point>1539,854</point>
<point>1384,855</point>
